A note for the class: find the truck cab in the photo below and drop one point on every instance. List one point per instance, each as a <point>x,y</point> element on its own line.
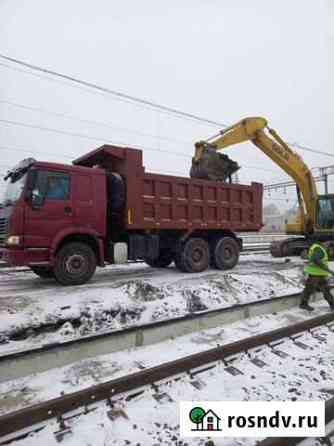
<point>47,206</point>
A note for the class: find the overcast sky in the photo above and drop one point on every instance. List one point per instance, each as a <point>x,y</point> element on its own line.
<point>220,59</point>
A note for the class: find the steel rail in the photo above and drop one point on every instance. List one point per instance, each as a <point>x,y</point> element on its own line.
<point>57,407</point>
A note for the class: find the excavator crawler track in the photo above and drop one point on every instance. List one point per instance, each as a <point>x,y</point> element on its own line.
<point>289,247</point>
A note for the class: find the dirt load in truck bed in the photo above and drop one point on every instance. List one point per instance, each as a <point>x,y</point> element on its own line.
<point>213,166</point>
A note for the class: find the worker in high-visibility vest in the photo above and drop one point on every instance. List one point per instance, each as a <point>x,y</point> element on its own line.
<point>317,272</point>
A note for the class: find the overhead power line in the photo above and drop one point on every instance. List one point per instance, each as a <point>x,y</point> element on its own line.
<point>94,138</point>
<point>62,115</point>
<point>115,93</point>
<point>90,137</point>
<point>33,150</point>
<point>133,99</point>
<point>89,121</point>
<point>307,149</point>
<point>137,100</point>
<point>295,144</point>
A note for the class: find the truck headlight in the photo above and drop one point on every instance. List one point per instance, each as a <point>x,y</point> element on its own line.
<point>13,240</point>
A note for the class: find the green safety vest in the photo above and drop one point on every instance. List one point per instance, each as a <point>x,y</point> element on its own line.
<point>311,268</point>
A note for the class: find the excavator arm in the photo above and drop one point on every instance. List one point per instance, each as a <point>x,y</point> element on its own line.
<point>256,130</point>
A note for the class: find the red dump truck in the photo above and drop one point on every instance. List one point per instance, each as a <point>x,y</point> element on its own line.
<point>64,220</point>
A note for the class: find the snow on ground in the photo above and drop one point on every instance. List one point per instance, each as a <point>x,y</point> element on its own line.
<point>122,296</point>
<point>306,374</point>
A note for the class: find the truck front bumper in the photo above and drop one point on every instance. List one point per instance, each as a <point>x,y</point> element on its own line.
<point>25,257</point>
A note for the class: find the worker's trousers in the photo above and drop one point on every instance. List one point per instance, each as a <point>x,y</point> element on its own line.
<point>317,283</point>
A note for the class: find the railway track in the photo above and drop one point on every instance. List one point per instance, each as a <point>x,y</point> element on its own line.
<point>16,425</point>
<point>22,363</point>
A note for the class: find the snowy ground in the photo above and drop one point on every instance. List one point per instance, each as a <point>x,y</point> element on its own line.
<point>122,296</point>
<point>305,374</point>
<point>35,311</point>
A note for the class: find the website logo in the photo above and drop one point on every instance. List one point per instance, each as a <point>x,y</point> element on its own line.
<point>252,418</point>
<point>204,420</point>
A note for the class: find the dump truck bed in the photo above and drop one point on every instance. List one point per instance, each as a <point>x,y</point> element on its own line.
<point>168,202</point>
<point>179,203</point>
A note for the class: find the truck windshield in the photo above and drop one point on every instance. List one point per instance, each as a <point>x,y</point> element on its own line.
<point>13,190</point>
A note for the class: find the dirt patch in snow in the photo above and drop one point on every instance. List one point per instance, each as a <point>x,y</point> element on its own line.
<point>143,291</point>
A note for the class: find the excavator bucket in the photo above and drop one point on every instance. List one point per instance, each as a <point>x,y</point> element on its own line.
<point>213,166</point>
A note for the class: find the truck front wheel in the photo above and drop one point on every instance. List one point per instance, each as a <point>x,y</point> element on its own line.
<point>225,253</point>
<point>75,264</point>
<point>194,256</point>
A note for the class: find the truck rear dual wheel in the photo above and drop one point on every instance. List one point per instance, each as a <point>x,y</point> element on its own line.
<point>75,264</point>
<point>194,256</point>
<point>225,253</point>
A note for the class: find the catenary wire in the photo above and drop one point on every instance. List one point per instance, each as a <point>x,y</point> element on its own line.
<point>135,99</point>
<point>89,121</point>
<point>115,93</point>
<point>99,138</point>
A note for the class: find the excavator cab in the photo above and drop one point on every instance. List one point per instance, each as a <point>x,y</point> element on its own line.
<point>325,213</point>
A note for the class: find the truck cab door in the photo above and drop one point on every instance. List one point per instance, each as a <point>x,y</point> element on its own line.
<point>50,210</point>
<point>84,213</point>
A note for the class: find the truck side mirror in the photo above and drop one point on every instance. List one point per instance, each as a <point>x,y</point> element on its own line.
<point>31,179</point>
<point>30,194</point>
<point>30,184</point>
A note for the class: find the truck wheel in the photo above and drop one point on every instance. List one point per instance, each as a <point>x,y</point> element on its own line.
<point>75,264</point>
<point>226,253</point>
<point>165,259</point>
<point>195,255</point>
<point>43,272</point>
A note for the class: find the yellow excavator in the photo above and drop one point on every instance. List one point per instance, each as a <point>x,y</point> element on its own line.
<point>315,221</point>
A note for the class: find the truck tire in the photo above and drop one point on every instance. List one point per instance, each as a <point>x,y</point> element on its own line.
<point>165,259</point>
<point>43,272</point>
<point>225,253</point>
<point>75,264</point>
<point>194,256</point>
